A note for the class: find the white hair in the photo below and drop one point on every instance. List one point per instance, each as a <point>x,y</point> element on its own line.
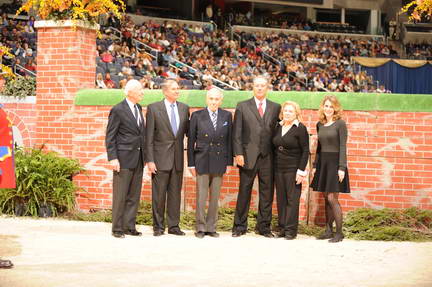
<point>215,91</point>
<point>261,77</point>
<point>132,85</point>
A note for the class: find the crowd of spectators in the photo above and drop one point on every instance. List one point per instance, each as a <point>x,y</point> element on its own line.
<point>199,57</point>
<point>419,51</point>
<point>298,62</point>
<point>18,34</point>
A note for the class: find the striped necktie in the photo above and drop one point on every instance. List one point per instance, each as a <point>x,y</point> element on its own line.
<point>214,119</point>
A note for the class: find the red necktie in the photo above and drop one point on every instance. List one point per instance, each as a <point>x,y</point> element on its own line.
<point>260,109</point>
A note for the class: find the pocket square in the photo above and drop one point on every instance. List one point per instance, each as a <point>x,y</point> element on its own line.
<point>225,123</point>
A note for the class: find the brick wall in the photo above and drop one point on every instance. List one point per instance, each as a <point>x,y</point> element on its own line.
<point>389,160</point>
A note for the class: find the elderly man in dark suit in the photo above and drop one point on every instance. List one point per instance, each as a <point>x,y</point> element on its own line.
<point>254,123</point>
<point>167,124</point>
<point>125,144</point>
<point>209,153</point>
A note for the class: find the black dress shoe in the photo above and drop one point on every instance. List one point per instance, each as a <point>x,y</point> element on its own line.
<point>158,233</point>
<point>326,235</point>
<point>176,232</point>
<point>133,233</point>
<point>290,237</point>
<point>118,234</point>
<point>267,234</point>
<point>338,237</point>
<point>6,264</point>
<point>200,234</point>
<point>238,233</point>
<point>212,234</point>
<point>280,234</point>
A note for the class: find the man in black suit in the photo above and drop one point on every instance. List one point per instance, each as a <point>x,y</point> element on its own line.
<point>254,123</point>
<point>125,143</point>
<point>209,153</point>
<point>167,123</point>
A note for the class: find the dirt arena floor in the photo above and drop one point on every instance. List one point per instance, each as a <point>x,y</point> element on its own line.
<point>59,253</point>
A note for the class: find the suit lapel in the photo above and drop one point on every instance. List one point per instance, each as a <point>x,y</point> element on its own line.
<point>164,115</point>
<point>182,116</point>
<point>220,120</point>
<point>206,118</point>
<point>254,109</point>
<point>130,114</point>
<point>268,111</point>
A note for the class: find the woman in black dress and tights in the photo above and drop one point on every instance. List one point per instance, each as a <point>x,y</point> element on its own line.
<point>291,142</point>
<point>330,166</point>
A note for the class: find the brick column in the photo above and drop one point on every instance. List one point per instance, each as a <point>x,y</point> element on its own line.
<point>66,62</point>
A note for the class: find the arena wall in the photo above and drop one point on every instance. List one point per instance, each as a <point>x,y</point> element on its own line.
<point>389,146</point>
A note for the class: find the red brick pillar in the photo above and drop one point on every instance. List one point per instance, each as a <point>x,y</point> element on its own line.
<point>66,62</point>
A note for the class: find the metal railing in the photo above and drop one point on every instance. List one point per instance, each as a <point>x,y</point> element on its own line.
<point>27,71</point>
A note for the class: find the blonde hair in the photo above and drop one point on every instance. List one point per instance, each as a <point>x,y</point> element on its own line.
<point>336,107</point>
<point>296,109</point>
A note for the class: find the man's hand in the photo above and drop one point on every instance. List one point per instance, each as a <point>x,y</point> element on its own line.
<point>341,175</point>
<point>239,159</point>
<point>151,167</point>
<point>115,165</point>
<point>192,171</point>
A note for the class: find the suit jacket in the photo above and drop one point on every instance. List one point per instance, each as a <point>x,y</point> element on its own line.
<point>252,135</point>
<point>210,150</point>
<point>125,140</point>
<point>162,147</point>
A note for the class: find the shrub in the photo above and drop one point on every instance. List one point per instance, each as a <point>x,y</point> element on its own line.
<point>43,179</point>
<point>411,224</point>
<point>20,87</point>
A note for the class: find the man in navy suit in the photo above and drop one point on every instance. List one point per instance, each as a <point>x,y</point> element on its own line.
<point>125,144</point>
<point>209,153</point>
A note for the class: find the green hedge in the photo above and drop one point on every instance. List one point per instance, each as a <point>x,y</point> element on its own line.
<point>306,100</point>
<point>411,224</point>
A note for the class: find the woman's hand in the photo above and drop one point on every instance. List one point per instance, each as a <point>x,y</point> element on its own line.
<point>299,178</point>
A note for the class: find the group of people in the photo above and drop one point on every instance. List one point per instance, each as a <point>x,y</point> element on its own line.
<point>263,139</point>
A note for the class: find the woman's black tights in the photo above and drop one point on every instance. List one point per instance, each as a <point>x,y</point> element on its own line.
<point>333,212</point>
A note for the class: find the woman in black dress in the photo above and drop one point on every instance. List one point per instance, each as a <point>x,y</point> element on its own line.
<point>291,142</point>
<point>330,166</point>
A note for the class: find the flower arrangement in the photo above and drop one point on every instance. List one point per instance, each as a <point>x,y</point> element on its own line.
<point>5,70</point>
<point>85,10</point>
<point>417,9</point>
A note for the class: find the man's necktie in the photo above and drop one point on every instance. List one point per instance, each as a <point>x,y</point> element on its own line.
<point>173,120</point>
<point>136,114</point>
<point>260,109</point>
<point>214,119</point>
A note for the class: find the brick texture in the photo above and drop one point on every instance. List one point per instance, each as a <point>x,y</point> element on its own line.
<point>66,60</point>
<point>388,165</point>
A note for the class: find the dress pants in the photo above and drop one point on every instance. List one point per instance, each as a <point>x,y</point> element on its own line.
<point>166,188</point>
<point>126,196</point>
<point>288,195</point>
<point>264,169</point>
<point>207,183</point>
